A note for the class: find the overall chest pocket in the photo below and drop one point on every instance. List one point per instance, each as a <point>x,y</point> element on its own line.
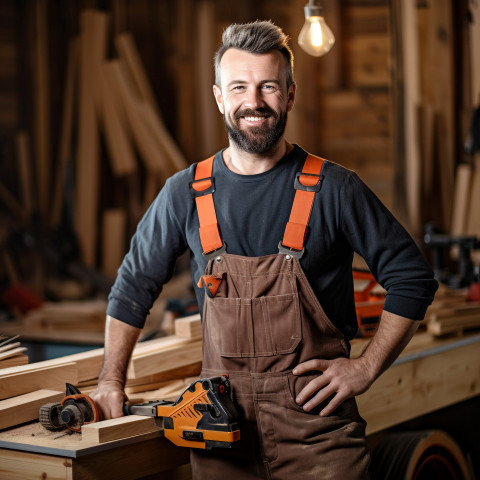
<point>254,327</point>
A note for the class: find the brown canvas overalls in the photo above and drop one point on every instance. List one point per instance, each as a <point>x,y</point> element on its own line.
<point>261,319</point>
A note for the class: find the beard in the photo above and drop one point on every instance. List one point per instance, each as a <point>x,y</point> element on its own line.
<point>257,140</point>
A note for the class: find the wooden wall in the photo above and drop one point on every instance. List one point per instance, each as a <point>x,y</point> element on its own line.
<point>345,108</point>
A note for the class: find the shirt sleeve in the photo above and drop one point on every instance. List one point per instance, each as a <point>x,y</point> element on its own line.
<point>390,252</point>
<point>150,262</point>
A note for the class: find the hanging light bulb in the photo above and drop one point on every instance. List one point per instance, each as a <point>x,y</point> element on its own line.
<point>316,38</point>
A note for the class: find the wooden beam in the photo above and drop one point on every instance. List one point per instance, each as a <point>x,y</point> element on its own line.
<point>129,53</point>
<point>188,327</point>
<point>117,428</point>
<point>410,389</point>
<point>166,359</point>
<point>121,154</point>
<point>66,129</point>
<point>25,170</point>
<point>150,153</point>
<point>41,107</point>
<point>473,225</point>
<point>24,408</point>
<point>113,240</point>
<point>461,200</point>
<point>24,380</point>
<point>411,102</point>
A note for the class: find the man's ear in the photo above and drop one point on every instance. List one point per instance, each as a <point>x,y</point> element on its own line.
<point>292,90</point>
<point>217,93</point>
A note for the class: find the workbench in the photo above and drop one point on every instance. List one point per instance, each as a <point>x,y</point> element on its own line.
<point>429,375</point>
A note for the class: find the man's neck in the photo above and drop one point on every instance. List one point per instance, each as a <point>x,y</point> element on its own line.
<point>244,163</point>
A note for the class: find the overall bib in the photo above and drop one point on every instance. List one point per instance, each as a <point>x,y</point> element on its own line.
<point>261,319</point>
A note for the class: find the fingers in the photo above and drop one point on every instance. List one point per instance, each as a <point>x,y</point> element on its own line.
<point>315,364</point>
<point>326,387</point>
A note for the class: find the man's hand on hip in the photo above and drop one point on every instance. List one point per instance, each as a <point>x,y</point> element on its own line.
<point>340,379</point>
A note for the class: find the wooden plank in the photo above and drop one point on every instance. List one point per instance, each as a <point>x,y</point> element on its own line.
<point>474,34</point>
<point>113,240</point>
<point>461,200</point>
<point>206,113</point>
<point>149,151</point>
<point>32,466</point>
<point>12,352</point>
<point>41,107</point>
<point>25,170</point>
<point>189,327</point>
<point>24,408</point>
<point>118,428</point>
<point>473,225</point>
<point>28,381</point>
<point>155,362</point>
<point>444,326</point>
<point>410,50</point>
<point>411,389</point>
<point>121,154</point>
<point>93,46</point>
<point>128,51</point>
<point>15,361</point>
<point>66,129</point>
<point>168,145</point>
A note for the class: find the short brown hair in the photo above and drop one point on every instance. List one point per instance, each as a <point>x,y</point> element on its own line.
<point>255,37</point>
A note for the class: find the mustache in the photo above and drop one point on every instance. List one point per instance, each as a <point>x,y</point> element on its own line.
<point>259,112</point>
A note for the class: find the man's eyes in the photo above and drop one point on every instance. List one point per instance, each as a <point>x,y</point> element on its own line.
<point>266,87</point>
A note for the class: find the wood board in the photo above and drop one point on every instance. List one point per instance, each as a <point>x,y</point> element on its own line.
<point>25,380</point>
<point>24,408</point>
<point>118,428</point>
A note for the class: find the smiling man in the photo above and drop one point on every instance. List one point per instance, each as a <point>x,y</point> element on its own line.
<point>272,230</point>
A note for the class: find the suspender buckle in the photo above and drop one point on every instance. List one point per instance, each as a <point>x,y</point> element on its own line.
<point>216,253</point>
<point>290,251</point>
<point>310,186</point>
<point>202,186</point>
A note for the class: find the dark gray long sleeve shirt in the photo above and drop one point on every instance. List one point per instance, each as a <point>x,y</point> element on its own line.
<point>252,211</point>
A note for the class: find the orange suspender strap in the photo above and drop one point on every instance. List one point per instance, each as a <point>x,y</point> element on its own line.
<point>307,183</point>
<point>202,189</point>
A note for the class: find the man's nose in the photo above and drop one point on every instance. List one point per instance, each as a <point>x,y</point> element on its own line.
<point>254,98</point>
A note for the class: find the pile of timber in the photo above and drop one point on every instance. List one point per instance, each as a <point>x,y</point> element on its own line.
<point>159,369</point>
<point>107,101</point>
<point>451,313</point>
<point>11,352</point>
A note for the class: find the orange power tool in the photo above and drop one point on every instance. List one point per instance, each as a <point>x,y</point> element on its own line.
<point>203,416</point>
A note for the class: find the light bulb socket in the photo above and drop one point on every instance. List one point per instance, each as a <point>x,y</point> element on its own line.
<point>313,9</point>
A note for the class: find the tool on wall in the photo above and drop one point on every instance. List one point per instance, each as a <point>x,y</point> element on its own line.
<point>203,416</point>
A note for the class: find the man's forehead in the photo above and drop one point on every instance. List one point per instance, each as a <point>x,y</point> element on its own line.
<point>235,61</point>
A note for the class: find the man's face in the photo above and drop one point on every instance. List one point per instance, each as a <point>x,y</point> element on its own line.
<point>254,99</point>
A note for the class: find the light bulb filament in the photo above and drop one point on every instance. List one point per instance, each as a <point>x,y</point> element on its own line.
<point>316,34</point>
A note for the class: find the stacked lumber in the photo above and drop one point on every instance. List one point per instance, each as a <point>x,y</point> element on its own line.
<point>451,313</point>
<point>117,100</point>
<point>11,353</point>
<point>159,368</point>
<point>112,139</point>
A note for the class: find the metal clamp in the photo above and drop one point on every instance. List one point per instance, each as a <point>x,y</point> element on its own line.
<point>290,251</point>
<point>216,253</point>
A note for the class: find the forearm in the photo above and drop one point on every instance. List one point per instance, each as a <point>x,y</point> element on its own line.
<point>393,334</point>
<point>120,340</point>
